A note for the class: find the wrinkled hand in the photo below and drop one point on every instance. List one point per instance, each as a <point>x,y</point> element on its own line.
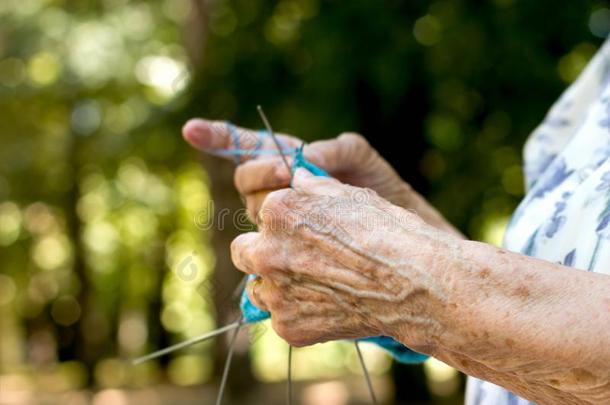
<point>348,158</point>
<point>340,262</point>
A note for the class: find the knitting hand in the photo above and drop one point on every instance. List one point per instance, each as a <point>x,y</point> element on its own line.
<point>339,262</point>
<point>348,158</point>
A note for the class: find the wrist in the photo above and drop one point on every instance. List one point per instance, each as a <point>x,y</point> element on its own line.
<point>429,311</point>
<point>483,295</point>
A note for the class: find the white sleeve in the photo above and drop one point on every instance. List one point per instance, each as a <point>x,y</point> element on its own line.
<point>566,116</point>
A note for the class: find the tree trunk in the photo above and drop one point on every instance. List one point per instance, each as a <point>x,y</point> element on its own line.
<point>75,339</point>
<point>225,278</point>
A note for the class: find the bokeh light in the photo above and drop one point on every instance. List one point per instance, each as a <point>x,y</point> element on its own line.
<point>104,255</point>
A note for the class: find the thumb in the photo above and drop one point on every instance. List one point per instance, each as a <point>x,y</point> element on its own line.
<point>301,174</point>
<point>306,182</point>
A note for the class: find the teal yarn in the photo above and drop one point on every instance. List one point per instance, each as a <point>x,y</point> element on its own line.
<point>252,314</point>
<point>397,350</point>
<point>301,162</point>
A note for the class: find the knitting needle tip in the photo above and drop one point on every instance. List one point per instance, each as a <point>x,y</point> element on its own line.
<point>186,343</point>
<point>275,139</point>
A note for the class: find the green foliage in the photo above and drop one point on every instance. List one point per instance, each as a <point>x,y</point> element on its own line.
<point>447,90</point>
<point>98,193</point>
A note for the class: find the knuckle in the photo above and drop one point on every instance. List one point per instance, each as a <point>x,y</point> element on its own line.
<point>275,301</point>
<point>263,259</point>
<point>357,147</point>
<point>250,253</point>
<point>284,331</point>
<point>292,332</point>
<point>275,204</point>
<point>273,174</point>
<point>240,252</point>
<point>270,172</point>
<point>278,168</point>
<point>261,174</point>
<point>354,139</point>
<point>259,263</point>
<point>246,177</point>
<point>278,198</point>
<point>238,244</point>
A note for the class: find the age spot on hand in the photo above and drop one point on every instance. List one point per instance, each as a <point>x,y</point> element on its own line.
<point>521,291</point>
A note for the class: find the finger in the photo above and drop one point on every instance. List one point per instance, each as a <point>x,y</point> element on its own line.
<point>304,181</point>
<point>262,174</point>
<point>275,212</point>
<point>224,139</point>
<point>255,292</point>
<point>340,154</point>
<point>254,202</point>
<point>242,251</point>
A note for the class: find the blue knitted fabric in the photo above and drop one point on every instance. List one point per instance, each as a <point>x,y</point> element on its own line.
<point>253,314</point>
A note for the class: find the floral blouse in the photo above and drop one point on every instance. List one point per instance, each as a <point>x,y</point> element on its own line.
<point>565,215</point>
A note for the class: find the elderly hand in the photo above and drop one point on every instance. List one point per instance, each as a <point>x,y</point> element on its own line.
<point>348,158</point>
<point>336,261</point>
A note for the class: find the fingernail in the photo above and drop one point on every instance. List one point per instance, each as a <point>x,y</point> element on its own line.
<point>194,132</point>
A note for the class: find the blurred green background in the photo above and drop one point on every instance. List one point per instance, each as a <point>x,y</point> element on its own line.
<point>106,252</point>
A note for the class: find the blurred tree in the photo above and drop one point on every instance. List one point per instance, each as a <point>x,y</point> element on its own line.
<point>99,197</point>
<point>447,91</point>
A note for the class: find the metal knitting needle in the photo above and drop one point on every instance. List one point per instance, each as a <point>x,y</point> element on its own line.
<point>362,363</point>
<point>227,367</point>
<point>243,283</point>
<point>367,377</point>
<point>289,377</point>
<point>186,343</point>
<point>281,152</point>
<point>240,288</point>
<point>274,137</point>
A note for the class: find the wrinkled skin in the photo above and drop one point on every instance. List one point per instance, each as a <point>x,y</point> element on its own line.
<point>343,261</point>
<point>348,158</point>
<point>331,259</point>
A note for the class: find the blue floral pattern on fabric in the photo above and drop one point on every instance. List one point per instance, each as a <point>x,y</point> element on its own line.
<point>559,172</point>
<point>565,216</point>
<point>569,259</point>
<point>604,185</point>
<point>557,220</point>
<point>605,122</point>
<point>603,228</point>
